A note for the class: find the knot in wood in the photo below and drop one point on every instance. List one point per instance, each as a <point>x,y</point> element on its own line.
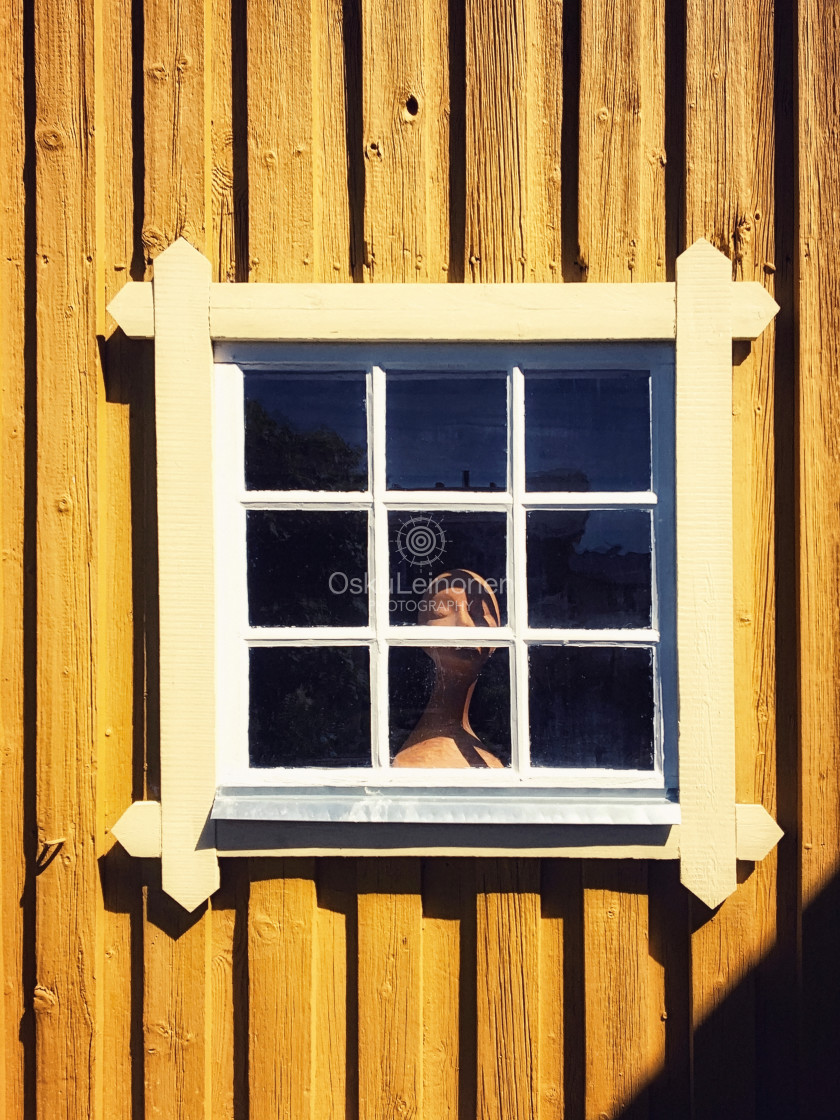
<point>154,241</point>
<point>373,149</point>
<point>50,139</point>
<point>184,63</point>
<point>270,158</point>
<point>43,999</point>
<point>603,113</point>
<point>157,71</point>
<point>64,504</point>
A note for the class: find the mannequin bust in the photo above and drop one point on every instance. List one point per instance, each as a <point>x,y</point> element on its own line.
<point>443,738</point>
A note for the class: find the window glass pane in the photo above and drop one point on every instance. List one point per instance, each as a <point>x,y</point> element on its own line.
<point>307,568</point>
<point>429,700</point>
<point>587,433</point>
<point>447,433</point>
<point>591,706</point>
<point>469,546</point>
<point>589,568</point>
<point>309,707</point>
<point>305,431</point>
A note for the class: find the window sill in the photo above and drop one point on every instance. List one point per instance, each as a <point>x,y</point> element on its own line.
<point>442,805</point>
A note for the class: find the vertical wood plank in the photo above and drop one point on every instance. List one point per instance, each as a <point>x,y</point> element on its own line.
<point>335,1082</point>
<point>819,549</point>
<point>617,987</point>
<point>390,989</point>
<point>67,993</point>
<point>621,201</point>
<point>729,199</point>
<point>118,768</point>
<point>561,1032</point>
<point>405,94</point>
<point>177,97</point>
<point>448,893</point>
<point>622,140</point>
<point>334,117</point>
<point>222,239</point>
<point>513,127</point>
<point>13,738</point>
<point>507,989</point>
<point>497,176</point>
<point>280,141</point>
<point>177,201</point>
<point>229,996</point>
<point>544,57</point>
<point>177,977</point>
<point>506,109</point>
<point>281,984</point>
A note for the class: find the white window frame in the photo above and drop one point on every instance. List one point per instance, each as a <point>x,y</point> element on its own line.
<point>186,314</point>
<point>235,635</point>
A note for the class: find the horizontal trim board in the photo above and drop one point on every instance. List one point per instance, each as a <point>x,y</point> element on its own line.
<point>443,312</point>
<point>367,804</point>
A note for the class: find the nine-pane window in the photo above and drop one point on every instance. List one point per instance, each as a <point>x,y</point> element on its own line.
<point>370,511</point>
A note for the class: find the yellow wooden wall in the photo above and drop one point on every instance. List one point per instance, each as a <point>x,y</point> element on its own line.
<point>553,142</point>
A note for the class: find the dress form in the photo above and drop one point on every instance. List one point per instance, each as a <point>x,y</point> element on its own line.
<point>443,737</point>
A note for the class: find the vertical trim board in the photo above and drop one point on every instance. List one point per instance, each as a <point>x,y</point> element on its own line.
<point>705,591</point>
<point>183,400</point>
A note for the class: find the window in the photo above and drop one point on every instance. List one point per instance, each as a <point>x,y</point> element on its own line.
<point>563,452</point>
<point>376,507</point>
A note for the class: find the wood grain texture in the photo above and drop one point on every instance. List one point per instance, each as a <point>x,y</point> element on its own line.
<point>67,996</point>
<point>280,164</point>
<point>281,979</point>
<point>513,123</point>
<point>507,989</point>
<point>819,634</point>
<point>177,199</point>
<point>336,202</point>
<point>621,220</point>
<point>336,1072</point>
<point>561,1027</point>
<point>229,997</point>
<point>730,188</point>
<point>177,99</point>
<point>405,105</point>
<point>15,800</point>
<point>620,200</point>
<point>617,986</point>
<point>117,743</point>
<point>177,985</point>
<point>448,898</point>
<point>222,240</point>
<point>390,989</point>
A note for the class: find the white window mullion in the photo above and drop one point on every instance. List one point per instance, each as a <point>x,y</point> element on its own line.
<point>518,598</point>
<point>379,569</point>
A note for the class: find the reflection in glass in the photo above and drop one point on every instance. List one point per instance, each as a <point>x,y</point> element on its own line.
<point>305,431</point>
<point>446,433</point>
<point>423,545</point>
<point>589,568</point>
<point>309,707</point>
<point>591,706</point>
<point>307,568</point>
<point>411,681</point>
<point>587,433</point>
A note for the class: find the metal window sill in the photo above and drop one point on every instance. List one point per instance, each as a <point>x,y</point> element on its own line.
<point>369,805</point>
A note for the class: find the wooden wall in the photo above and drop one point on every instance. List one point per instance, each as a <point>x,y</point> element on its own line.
<point>553,142</point>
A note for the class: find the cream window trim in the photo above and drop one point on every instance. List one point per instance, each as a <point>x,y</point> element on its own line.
<point>703,312</point>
